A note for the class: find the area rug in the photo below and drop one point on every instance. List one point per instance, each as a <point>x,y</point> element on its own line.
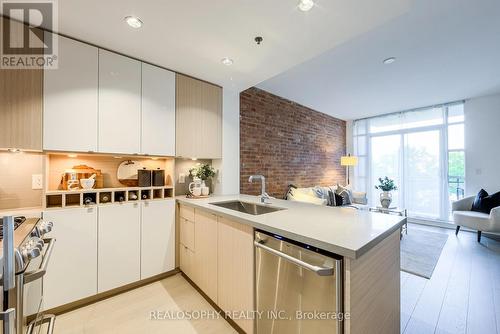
<point>420,251</point>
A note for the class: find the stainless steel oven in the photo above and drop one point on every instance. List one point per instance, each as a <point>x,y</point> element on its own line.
<point>25,296</point>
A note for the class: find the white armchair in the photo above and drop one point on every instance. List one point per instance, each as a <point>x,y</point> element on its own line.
<point>482,222</point>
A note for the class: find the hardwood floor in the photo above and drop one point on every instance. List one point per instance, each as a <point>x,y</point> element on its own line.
<point>462,296</point>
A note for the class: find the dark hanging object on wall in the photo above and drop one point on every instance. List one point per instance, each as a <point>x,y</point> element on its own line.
<point>258,40</point>
<point>144,176</point>
<point>159,178</point>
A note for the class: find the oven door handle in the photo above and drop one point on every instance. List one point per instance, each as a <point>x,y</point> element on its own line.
<point>40,272</point>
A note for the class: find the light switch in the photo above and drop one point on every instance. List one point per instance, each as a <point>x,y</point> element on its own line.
<point>36,181</point>
<point>182,178</point>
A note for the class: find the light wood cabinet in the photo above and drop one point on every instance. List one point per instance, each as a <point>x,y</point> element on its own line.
<point>158,111</point>
<point>222,261</point>
<point>235,269</point>
<point>186,260</point>
<point>119,240</point>
<point>157,237</point>
<point>70,99</point>
<point>73,265</point>
<point>119,103</point>
<point>21,104</point>
<point>205,254</point>
<point>21,109</point>
<point>198,118</point>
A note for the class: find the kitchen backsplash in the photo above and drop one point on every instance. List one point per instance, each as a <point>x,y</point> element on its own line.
<point>182,166</point>
<point>16,170</point>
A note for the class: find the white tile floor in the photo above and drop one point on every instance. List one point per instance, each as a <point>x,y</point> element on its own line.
<point>463,296</point>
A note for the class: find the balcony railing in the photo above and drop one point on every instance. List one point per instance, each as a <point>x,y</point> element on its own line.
<point>456,187</point>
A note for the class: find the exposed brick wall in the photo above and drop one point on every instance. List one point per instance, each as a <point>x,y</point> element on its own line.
<point>288,143</point>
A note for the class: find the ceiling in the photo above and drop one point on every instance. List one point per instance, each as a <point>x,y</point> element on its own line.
<point>446,50</point>
<point>192,36</point>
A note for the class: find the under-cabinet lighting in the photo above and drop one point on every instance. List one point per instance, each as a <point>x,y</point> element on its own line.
<point>14,150</point>
<point>72,155</point>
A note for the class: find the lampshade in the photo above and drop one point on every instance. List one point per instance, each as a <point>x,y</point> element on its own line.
<point>349,160</point>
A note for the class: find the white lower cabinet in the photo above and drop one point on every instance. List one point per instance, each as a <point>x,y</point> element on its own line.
<point>101,248</point>
<point>72,273</point>
<point>119,240</point>
<point>157,237</point>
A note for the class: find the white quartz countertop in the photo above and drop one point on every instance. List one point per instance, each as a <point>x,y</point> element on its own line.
<point>344,231</point>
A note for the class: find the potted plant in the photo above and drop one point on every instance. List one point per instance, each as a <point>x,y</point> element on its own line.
<point>386,185</point>
<point>201,172</point>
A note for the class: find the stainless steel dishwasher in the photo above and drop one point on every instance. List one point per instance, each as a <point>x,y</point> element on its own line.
<point>298,287</point>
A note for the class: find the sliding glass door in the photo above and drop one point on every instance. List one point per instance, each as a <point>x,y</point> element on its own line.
<point>386,152</point>
<point>413,161</point>
<point>423,179</point>
<point>422,150</point>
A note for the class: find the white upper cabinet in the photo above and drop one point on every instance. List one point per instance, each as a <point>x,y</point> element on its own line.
<point>158,111</point>
<point>70,99</point>
<point>119,103</point>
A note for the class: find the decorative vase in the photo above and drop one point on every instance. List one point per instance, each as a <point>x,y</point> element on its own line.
<point>204,189</point>
<point>386,199</point>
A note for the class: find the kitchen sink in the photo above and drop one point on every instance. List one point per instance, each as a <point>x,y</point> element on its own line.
<point>249,208</point>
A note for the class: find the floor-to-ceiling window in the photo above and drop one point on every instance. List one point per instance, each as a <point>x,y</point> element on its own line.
<point>422,150</point>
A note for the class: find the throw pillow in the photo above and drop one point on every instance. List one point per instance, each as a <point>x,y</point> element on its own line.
<point>339,200</point>
<point>345,193</point>
<point>490,202</point>
<point>304,197</point>
<point>331,196</point>
<point>322,192</point>
<point>479,205</point>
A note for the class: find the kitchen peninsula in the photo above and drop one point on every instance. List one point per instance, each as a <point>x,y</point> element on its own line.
<point>366,245</point>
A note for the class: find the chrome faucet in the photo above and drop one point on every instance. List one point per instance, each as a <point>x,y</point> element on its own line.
<point>264,197</point>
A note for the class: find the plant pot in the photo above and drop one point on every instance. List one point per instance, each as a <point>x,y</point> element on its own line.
<point>386,199</point>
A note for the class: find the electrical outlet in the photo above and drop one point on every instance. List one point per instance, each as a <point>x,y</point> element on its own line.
<point>36,181</point>
<point>182,178</point>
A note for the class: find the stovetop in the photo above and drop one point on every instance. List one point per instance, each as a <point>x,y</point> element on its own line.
<point>17,222</point>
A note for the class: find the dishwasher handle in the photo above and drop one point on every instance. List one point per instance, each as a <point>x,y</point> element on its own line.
<point>321,271</point>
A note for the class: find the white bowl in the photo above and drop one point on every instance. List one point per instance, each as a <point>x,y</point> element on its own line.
<point>87,183</point>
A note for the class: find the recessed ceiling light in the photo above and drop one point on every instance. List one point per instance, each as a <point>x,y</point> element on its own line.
<point>305,5</point>
<point>133,21</point>
<point>389,60</point>
<point>227,61</point>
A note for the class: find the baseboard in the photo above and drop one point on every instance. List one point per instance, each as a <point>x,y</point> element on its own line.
<point>107,294</point>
